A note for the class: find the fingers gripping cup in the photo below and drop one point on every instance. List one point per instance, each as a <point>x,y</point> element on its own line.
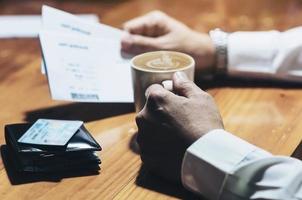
<point>157,67</point>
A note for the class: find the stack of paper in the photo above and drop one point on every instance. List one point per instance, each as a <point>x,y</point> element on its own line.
<point>83,61</point>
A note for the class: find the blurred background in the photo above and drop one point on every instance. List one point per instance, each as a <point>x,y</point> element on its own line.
<point>230,15</point>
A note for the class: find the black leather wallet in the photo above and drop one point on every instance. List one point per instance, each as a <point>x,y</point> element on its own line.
<point>78,154</point>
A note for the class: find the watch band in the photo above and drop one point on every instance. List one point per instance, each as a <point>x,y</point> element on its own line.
<point>220,39</point>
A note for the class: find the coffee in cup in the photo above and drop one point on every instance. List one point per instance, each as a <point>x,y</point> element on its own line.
<point>156,67</point>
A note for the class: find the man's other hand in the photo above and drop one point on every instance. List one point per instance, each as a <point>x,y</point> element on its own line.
<point>170,122</point>
<point>158,31</point>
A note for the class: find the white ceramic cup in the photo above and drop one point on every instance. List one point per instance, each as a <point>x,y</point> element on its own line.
<point>166,64</point>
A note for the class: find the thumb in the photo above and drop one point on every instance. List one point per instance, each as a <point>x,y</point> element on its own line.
<point>185,87</point>
<point>138,43</point>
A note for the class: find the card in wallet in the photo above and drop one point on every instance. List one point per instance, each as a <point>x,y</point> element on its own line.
<point>78,154</point>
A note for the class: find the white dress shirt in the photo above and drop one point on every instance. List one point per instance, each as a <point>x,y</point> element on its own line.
<point>222,166</point>
<point>269,55</point>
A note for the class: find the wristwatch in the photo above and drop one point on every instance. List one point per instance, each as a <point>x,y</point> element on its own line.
<point>220,39</point>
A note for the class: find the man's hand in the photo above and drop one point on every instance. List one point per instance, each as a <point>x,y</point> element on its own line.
<point>170,122</point>
<point>158,31</point>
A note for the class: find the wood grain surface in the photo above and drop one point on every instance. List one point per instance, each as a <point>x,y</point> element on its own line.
<point>267,114</point>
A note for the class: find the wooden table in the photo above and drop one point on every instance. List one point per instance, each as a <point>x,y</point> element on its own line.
<point>264,113</point>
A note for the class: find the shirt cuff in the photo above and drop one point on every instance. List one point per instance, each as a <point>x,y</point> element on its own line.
<point>212,157</point>
<point>252,53</point>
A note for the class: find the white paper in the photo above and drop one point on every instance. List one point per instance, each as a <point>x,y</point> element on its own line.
<point>57,20</point>
<point>60,21</point>
<point>86,69</point>
<point>28,26</point>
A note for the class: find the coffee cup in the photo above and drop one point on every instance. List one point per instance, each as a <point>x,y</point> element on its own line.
<point>157,67</point>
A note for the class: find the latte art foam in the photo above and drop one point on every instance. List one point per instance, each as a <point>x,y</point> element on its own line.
<point>162,61</point>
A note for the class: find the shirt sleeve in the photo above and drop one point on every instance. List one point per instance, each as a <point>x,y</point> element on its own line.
<point>222,166</point>
<point>267,54</point>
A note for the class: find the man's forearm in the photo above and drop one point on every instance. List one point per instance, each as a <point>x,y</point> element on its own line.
<point>222,166</point>
<point>211,159</point>
<point>265,55</point>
